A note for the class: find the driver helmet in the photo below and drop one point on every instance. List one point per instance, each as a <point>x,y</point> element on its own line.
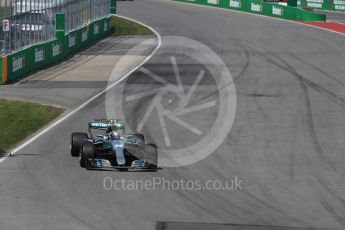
<point>115,136</point>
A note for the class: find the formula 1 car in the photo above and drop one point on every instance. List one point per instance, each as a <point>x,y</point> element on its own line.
<point>106,148</point>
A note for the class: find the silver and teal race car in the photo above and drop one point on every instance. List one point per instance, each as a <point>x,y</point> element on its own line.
<point>108,147</point>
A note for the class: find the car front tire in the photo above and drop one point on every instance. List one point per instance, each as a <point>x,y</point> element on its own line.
<point>87,151</point>
<point>77,140</point>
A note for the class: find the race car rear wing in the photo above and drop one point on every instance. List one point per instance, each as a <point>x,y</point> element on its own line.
<point>98,125</point>
<point>103,124</point>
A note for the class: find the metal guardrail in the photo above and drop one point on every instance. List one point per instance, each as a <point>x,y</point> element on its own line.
<point>331,5</point>
<point>29,22</point>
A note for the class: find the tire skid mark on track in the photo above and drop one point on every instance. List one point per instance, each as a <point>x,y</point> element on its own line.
<point>324,91</point>
<point>277,210</point>
<point>304,84</point>
<point>264,189</point>
<point>335,214</point>
<point>256,198</point>
<point>292,167</point>
<point>323,184</point>
<point>318,70</point>
<point>340,100</point>
<point>309,120</point>
<point>248,57</point>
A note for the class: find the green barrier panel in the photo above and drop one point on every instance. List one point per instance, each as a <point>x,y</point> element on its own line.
<point>43,55</point>
<point>56,49</point>
<point>17,64</point>
<point>292,3</point>
<point>263,8</point>
<point>333,5</point>
<point>113,6</point>
<point>60,25</point>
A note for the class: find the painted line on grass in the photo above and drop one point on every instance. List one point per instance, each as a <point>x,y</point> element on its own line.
<point>63,118</point>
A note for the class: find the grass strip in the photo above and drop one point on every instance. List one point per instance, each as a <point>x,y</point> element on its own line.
<point>19,120</point>
<point>124,27</point>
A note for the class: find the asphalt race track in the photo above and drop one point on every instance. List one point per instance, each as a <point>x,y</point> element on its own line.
<point>286,143</point>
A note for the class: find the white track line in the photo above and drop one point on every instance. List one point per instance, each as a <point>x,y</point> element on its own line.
<point>258,15</point>
<point>62,119</point>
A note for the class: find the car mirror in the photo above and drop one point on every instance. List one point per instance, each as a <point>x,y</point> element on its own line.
<point>131,141</point>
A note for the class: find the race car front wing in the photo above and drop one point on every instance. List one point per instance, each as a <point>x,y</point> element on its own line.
<point>105,164</point>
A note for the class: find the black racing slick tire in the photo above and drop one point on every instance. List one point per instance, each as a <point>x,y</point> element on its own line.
<point>77,139</point>
<point>87,151</point>
<point>140,138</point>
<point>151,155</point>
<point>123,169</point>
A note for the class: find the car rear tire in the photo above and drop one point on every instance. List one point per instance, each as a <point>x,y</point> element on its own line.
<point>87,151</point>
<point>140,138</point>
<point>77,139</point>
<point>151,154</point>
<point>123,169</point>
